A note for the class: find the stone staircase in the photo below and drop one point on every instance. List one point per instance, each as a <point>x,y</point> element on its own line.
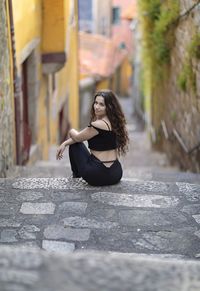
<point>59,233</point>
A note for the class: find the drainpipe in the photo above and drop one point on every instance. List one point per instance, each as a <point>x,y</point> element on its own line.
<point>15,84</point>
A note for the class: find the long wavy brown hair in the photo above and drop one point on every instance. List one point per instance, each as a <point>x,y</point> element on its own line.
<point>116,117</point>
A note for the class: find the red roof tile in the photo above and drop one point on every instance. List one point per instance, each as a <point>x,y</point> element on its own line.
<point>99,55</point>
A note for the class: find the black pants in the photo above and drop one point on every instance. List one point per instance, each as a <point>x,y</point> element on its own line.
<point>91,169</point>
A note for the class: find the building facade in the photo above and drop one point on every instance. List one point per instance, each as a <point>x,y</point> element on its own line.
<point>45,74</point>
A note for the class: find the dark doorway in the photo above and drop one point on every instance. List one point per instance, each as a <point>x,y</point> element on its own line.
<point>26,133</point>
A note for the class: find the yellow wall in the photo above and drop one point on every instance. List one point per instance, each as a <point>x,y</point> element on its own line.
<point>29,32</point>
<point>103,84</point>
<point>27,23</point>
<point>113,84</point>
<point>68,77</point>
<point>54,28</point>
<point>125,76</point>
<point>73,68</point>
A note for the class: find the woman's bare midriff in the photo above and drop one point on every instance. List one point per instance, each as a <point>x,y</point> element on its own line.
<point>105,156</point>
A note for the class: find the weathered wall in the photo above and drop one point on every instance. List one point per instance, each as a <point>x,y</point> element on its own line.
<point>102,17</point>
<point>86,91</point>
<point>178,108</point>
<point>7,136</point>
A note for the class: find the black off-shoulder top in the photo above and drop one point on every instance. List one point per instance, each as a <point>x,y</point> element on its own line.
<point>105,139</point>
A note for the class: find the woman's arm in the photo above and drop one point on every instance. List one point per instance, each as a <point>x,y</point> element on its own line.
<point>61,148</point>
<point>85,134</point>
<point>75,136</point>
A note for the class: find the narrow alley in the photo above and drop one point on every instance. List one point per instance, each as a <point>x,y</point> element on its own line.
<point>153,212</point>
<point>61,64</point>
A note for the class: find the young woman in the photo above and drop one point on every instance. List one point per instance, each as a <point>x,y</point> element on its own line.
<point>107,139</point>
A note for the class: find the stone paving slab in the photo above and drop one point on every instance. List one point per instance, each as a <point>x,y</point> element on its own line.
<point>26,269</point>
<point>116,199</point>
<point>67,233</point>
<point>133,216</point>
<point>37,208</point>
<point>58,246</point>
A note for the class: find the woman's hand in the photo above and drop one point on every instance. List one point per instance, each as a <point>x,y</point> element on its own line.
<point>60,150</point>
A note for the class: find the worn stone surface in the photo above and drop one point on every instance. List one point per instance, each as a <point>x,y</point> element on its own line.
<point>8,235</point>
<point>151,218</point>
<point>191,191</point>
<point>7,135</point>
<point>155,201</point>
<point>57,246</point>
<point>171,241</point>
<point>29,196</point>
<point>133,216</point>
<point>51,183</point>
<point>8,223</point>
<point>67,233</point>
<point>191,209</point>
<point>77,221</point>
<point>28,232</point>
<point>72,207</point>
<point>37,270</point>
<point>197,218</point>
<point>37,208</point>
<point>8,209</point>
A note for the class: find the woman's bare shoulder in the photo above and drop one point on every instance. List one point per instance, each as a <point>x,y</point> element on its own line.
<point>100,124</point>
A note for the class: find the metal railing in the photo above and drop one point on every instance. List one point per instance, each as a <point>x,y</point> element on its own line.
<point>179,139</point>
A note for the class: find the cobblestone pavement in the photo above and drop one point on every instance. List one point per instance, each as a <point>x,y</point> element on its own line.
<point>134,216</point>
<point>154,210</point>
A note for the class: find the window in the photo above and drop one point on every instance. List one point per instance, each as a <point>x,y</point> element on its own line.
<point>116,15</point>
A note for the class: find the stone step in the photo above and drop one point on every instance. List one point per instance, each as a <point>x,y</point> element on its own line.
<point>52,169</point>
<point>41,170</point>
<point>133,216</point>
<point>163,174</point>
<point>26,269</point>
<point>124,185</point>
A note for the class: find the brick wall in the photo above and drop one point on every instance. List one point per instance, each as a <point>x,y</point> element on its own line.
<point>7,150</point>
<point>179,109</point>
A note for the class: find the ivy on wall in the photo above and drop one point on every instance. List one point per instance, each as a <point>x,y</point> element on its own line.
<point>157,18</point>
<point>187,77</point>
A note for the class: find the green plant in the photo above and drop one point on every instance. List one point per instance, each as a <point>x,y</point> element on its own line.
<point>187,77</point>
<point>194,47</point>
<point>157,18</point>
<point>2,104</point>
<point>162,41</point>
<point>173,116</point>
<point>182,80</point>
